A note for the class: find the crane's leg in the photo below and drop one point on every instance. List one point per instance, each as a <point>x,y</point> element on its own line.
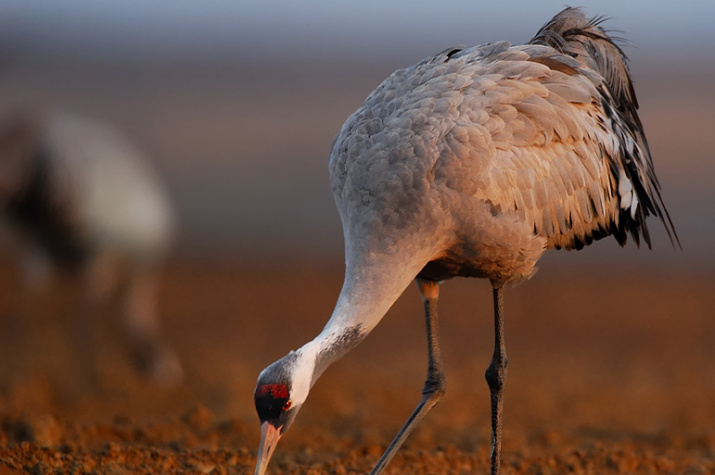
<point>98,278</point>
<point>33,276</point>
<point>434,385</point>
<point>152,357</point>
<point>496,375</point>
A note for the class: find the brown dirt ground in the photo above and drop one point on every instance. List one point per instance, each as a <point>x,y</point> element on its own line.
<point>609,374</point>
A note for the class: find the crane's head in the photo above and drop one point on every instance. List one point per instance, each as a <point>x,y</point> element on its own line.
<point>281,390</point>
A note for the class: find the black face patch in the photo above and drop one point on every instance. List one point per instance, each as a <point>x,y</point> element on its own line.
<point>270,400</point>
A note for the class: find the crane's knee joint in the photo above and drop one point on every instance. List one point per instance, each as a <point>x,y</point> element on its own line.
<point>496,374</point>
<point>435,387</point>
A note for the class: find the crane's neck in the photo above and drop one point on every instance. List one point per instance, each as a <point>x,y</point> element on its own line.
<point>371,286</point>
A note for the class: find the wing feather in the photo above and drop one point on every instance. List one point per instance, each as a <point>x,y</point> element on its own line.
<point>547,132</point>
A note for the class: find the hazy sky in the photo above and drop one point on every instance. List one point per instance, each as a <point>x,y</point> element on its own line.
<point>314,27</point>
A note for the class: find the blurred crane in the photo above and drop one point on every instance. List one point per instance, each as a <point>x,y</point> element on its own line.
<point>472,163</point>
<point>84,203</point>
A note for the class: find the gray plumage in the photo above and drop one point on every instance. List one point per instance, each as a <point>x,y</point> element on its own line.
<point>546,134</point>
<point>473,163</point>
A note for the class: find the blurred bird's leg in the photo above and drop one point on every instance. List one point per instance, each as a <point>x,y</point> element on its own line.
<point>496,376</point>
<point>140,316</point>
<point>99,281</point>
<point>33,276</point>
<point>434,385</point>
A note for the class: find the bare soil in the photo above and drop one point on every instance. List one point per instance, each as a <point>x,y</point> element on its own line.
<point>608,374</point>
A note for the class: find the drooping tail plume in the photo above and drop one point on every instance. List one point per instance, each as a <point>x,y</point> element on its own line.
<point>605,63</point>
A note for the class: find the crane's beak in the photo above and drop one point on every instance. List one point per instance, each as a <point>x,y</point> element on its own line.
<point>270,435</point>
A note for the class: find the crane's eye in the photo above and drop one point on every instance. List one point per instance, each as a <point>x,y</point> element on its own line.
<point>286,406</point>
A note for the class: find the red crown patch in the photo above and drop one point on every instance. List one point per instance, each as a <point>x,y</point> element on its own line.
<point>277,391</point>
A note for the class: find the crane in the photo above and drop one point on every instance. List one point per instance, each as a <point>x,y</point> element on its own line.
<point>473,163</point>
<point>86,205</point>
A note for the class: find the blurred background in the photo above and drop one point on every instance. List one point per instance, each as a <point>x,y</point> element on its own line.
<point>238,102</point>
<point>235,105</point>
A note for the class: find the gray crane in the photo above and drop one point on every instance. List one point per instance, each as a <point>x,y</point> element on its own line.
<point>85,204</point>
<point>473,163</point>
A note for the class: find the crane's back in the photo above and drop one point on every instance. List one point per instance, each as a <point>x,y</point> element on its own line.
<point>533,146</point>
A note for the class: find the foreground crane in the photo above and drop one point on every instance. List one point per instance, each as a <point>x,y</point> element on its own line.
<point>472,163</point>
